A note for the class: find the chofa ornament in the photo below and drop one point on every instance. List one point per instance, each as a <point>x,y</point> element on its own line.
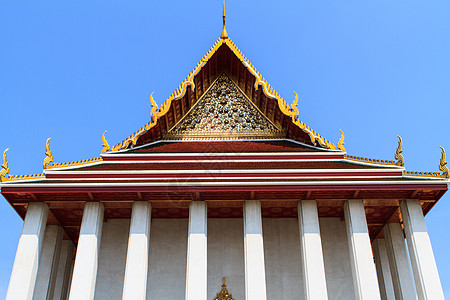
<point>442,164</point>
<point>223,294</point>
<point>48,154</point>
<point>398,153</point>
<point>5,168</point>
<point>105,144</point>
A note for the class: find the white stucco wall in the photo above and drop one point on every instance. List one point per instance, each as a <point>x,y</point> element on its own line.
<point>336,257</point>
<point>168,249</point>
<point>112,259</point>
<point>283,259</point>
<point>167,259</point>
<point>226,256</point>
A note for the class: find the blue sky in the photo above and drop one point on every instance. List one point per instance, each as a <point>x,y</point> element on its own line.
<point>375,69</point>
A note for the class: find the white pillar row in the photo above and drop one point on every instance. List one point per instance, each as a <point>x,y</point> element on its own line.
<point>48,262</point>
<point>64,270</point>
<point>426,276</point>
<point>136,270</point>
<point>25,268</point>
<point>196,269</point>
<point>402,278</point>
<point>255,272</point>
<point>383,269</point>
<point>365,281</point>
<point>86,260</point>
<point>314,282</point>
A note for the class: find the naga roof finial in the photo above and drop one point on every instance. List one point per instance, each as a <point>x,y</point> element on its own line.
<point>105,144</point>
<point>398,153</point>
<point>442,164</point>
<point>154,108</point>
<point>340,144</point>
<point>48,154</point>
<point>5,169</point>
<point>224,34</point>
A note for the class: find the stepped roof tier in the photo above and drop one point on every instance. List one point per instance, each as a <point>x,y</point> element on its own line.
<point>223,136</point>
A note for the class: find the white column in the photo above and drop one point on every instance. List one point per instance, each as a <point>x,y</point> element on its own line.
<point>196,269</point>
<point>383,269</point>
<point>64,270</point>
<point>48,262</point>
<point>365,281</point>
<point>135,281</point>
<point>86,261</point>
<point>424,267</point>
<point>314,282</point>
<point>255,272</point>
<point>24,272</point>
<point>402,278</point>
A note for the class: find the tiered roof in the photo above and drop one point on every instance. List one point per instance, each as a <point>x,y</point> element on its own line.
<point>224,136</point>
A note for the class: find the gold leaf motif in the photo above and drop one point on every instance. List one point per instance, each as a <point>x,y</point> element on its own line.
<point>154,108</point>
<point>223,294</point>
<point>340,144</point>
<point>224,112</point>
<point>398,153</point>
<point>442,165</point>
<point>105,144</point>
<point>294,104</point>
<point>5,168</point>
<point>48,154</point>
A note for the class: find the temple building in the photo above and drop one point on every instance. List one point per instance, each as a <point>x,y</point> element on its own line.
<point>224,194</point>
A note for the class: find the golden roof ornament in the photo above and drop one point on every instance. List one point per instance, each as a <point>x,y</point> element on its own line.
<point>398,153</point>
<point>48,154</point>
<point>442,165</point>
<point>223,294</point>
<point>154,108</point>
<point>105,144</point>
<point>294,107</point>
<point>340,144</point>
<point>224,34</point>
<point>5,168</point>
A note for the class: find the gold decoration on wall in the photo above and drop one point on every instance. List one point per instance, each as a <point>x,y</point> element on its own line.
<point>340,144</point>
<point>224,34</point>
<point>5,168</point>
<point>48,154</point>
<point>105,144</point>
<point>223,294</point>
<point>442,165</point>
<point>398,153</point>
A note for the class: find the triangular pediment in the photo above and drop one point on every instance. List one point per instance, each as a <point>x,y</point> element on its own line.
<point>224,112</point>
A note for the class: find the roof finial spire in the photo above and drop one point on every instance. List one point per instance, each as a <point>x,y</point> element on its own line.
<point>224,34</point>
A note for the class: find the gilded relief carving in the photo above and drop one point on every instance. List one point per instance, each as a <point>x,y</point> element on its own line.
<point>224,111</point>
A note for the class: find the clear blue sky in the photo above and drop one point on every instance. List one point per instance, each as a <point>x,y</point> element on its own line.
<point>375,69</point>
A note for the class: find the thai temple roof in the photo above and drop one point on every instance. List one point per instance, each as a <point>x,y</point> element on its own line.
<point>224,105</point>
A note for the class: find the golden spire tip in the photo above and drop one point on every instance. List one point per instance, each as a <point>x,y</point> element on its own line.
<point>224,34</point>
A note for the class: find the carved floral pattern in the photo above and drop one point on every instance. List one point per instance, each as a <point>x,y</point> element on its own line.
<point>224,110</point>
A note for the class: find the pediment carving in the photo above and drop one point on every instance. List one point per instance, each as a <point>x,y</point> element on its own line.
<point>224,112</point>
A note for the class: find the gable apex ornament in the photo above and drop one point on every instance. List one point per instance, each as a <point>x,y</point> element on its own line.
<point>223,294</point>
<point>224,34</point>
<point>398,153</point>
<point>5,168</point>
<point>48,154</point>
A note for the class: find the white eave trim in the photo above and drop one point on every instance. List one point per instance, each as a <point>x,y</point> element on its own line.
<point>226,183</point>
